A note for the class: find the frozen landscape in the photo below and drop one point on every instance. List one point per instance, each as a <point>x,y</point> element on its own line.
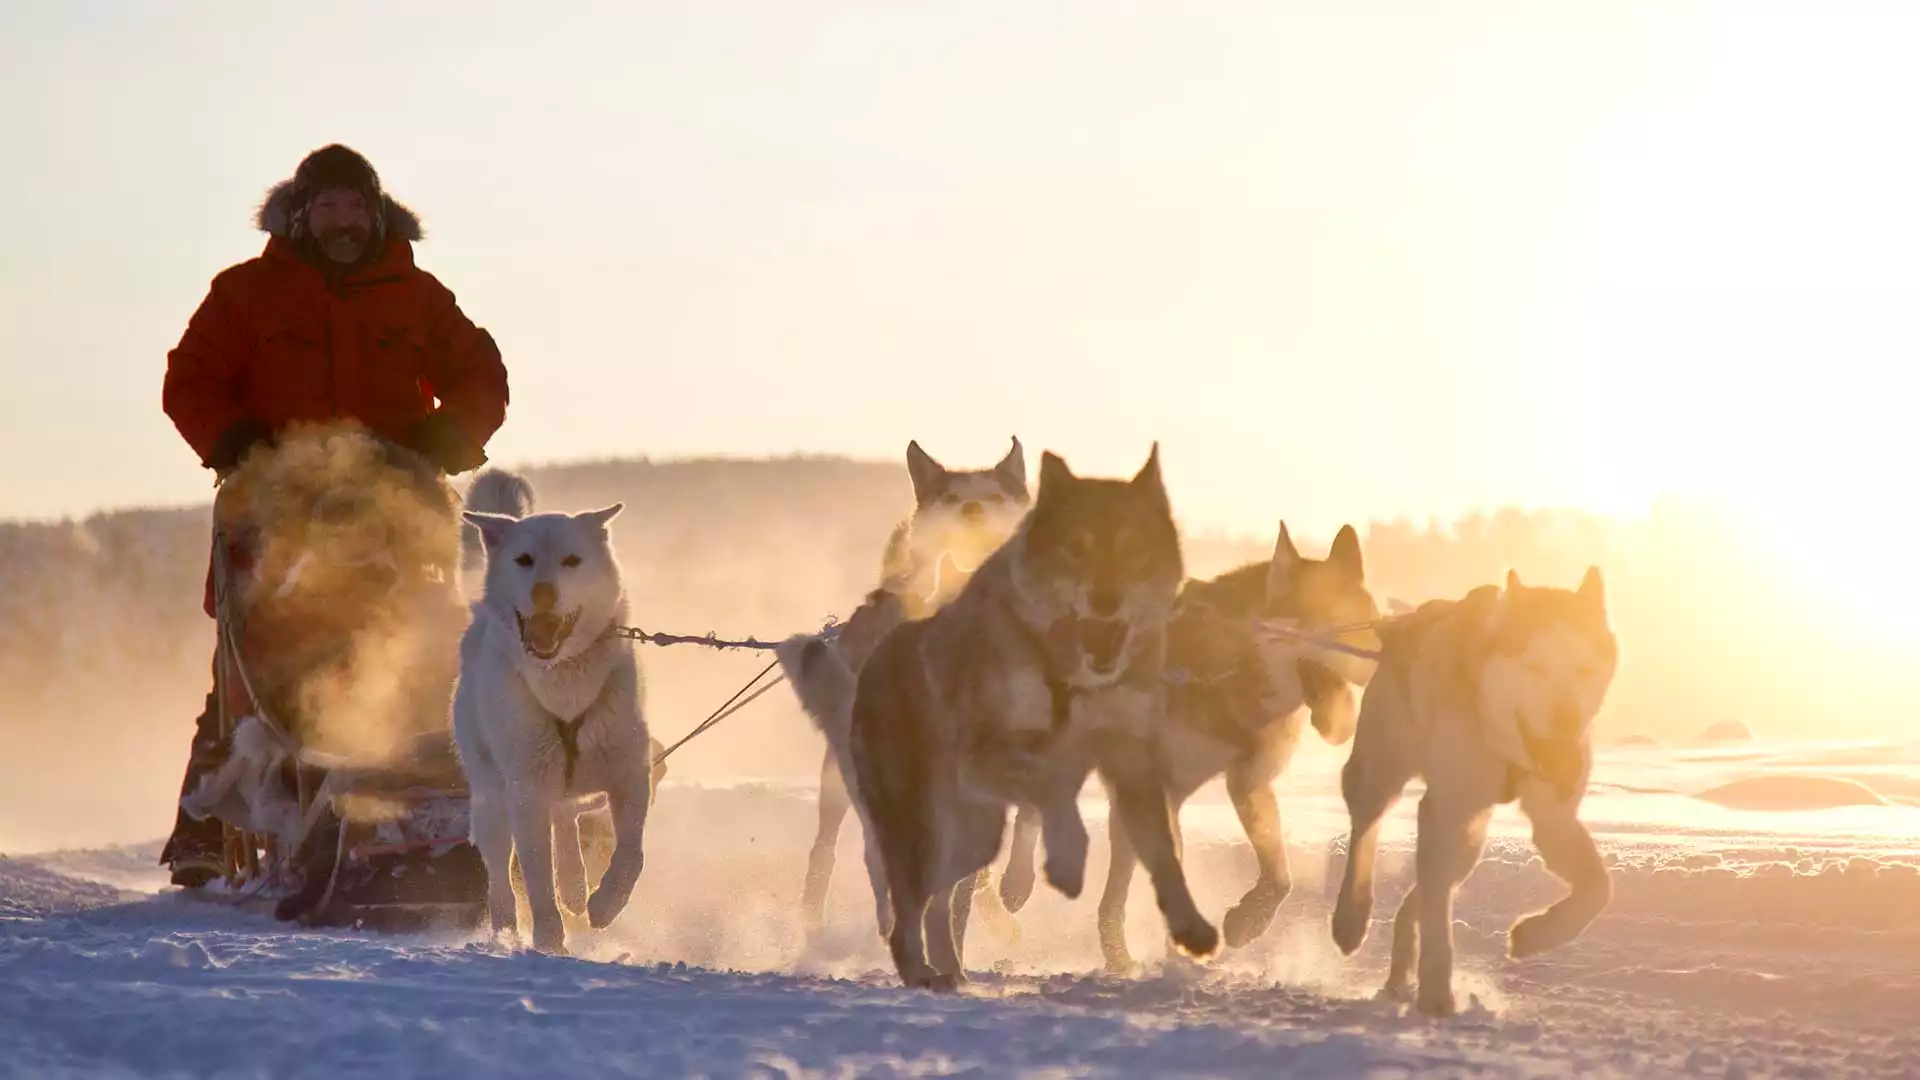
<point>1762,926</point>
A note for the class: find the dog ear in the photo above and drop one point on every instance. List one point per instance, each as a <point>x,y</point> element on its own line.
<point>1149,474</point>
<point>1286,558</point>
<point>493,527</point>
<point>1593,590</point>
<point>1011,473</point>
<point>1346,554</point>
<point>1054,473</point>
<point>1513,581</point>
<point>929,476</point>
<point>601,517</point>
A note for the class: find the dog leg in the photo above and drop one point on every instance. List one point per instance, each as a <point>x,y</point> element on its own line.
<point>1568,849</point>
<point>877,881</point>
<point>532,817</point>
<point>1251,790</point>
<point>1452,834</point>
<point>1140,804</point>
<point>1112,916</point>
<point>1066,839</point>
<point>1016,883</point>
<point>907,941</point>
<point>627,800</point>
<point>1375,775</point>
<point>569,864</point>
<point>945,916</point>
<point>984,896</point>
<point>1406,948</point>
<point>491,831</point>
<point>834,804</point>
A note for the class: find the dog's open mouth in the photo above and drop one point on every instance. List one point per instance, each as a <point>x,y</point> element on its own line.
<point>1103,644</point>
<point>544,632</point>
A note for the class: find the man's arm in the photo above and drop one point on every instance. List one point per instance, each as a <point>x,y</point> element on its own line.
<point>204,391</point>
<point>465,372</point>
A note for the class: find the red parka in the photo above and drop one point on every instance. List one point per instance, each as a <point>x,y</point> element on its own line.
<point>276,341</point>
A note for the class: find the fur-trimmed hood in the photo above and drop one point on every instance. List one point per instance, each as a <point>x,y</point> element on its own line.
<point>331,166</point>
<point>275,216</point>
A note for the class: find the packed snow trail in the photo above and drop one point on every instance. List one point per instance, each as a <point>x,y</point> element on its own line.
<point>1740,944</point>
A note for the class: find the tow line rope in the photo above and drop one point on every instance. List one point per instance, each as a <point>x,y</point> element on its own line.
<point>1328,639</point>
<point>742,697</point>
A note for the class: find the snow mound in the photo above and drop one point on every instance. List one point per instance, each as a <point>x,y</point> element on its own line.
<point>1782,791</point>
<point>1727,731</point>
<point>29,890</point>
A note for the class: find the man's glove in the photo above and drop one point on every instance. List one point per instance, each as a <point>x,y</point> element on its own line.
<point>440,439</point>
<point>234,444</point>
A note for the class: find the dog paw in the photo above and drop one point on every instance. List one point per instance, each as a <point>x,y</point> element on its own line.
<point>1349,926</point>
<point>1249,918</point>
<point>1436,1002</point>
<point>1194,935</point>
<point>1396,990</point>
<point>552,943</point>
<point>1122,967</point>
<point>1067,876</point>
<point>603,908</point>
<point>573,897</point>
<point>1529,936</point>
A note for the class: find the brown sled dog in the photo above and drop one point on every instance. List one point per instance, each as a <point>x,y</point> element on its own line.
<point>1046,667</point>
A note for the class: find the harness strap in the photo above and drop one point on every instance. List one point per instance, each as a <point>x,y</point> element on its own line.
<point>1058,691</point>
<point>569,732</point>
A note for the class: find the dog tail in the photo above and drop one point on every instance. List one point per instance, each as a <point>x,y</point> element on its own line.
<point>824,684</point>
<point>494,491</point>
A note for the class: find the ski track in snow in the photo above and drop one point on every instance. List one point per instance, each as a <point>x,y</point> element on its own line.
<point>1740,944</point>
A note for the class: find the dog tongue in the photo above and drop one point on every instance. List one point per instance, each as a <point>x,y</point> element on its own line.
<point>543,631</point>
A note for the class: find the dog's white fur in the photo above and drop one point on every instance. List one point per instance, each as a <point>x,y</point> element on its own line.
<point>247,790</point>
<point>519,690</point>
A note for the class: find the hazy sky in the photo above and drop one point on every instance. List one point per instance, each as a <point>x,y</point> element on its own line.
<point>1345,260</point>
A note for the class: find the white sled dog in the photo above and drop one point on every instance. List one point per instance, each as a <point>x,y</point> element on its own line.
<point>508,494</point>
<point>547,715</point>
<point>1489,698</point>
<point>1238,702</point>
<point>1047,666</point>
<point>960,516</point>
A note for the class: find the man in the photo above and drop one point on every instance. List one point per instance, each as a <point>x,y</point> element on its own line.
<point>332,321</point>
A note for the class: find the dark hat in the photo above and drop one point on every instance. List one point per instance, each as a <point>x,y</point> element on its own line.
<point>335,168</point>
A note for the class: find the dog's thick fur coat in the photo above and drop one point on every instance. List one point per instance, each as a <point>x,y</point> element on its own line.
<point>960,517</point>
<point>1237,705</point>
<point>1047,666</point>
<point>547,717</point>
<point>1489,698</point>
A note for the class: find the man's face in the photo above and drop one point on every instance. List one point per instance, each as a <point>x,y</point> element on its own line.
<point>340,222</point>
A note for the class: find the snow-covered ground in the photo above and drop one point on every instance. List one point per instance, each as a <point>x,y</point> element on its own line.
<point>1759,929</point>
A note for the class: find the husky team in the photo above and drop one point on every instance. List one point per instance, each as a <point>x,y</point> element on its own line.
<point>1019,642</point>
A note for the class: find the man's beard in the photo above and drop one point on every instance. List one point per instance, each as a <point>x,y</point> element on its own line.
<point>343,244</point>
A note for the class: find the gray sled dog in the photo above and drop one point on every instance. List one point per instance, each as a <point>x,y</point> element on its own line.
<point>1490,699</point>
<point>1238,701</point>
<point>960,516</point>
<point>547,718</point>
<point>1047,666</point>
